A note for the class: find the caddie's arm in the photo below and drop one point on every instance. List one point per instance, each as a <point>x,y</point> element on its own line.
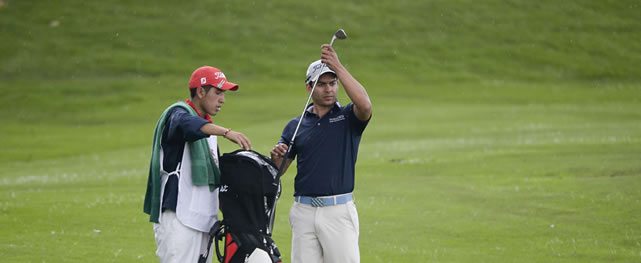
<point>355,91</point>
<point>234,136</point>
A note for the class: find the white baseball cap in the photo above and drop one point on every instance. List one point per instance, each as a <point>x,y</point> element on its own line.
<point>316,69</point>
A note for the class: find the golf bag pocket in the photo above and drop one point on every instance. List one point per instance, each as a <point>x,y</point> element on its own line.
<point>241,247</point>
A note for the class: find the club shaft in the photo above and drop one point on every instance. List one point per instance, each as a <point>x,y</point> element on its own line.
<point>281,167</point>
<point>291,142</point>
<point>332,41</point>
<point>272,213</point>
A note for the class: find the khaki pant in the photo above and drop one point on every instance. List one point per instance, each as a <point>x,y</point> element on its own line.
<point>324,234</point>
<point>178,243</point>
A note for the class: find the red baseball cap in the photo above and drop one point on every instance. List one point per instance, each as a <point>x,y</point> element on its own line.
<point>210,76</point>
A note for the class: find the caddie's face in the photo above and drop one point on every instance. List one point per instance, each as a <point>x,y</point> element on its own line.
<point>325,91</point>
<point>212,100</point>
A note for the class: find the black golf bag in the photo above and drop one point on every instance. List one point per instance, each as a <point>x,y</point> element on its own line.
<point>248,188</point>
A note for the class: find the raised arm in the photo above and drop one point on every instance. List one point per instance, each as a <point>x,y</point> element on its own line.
<point>355,91</point>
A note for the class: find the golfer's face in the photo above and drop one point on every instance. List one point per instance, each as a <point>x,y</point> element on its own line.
<point>213,101</point>
<point>325,91</point>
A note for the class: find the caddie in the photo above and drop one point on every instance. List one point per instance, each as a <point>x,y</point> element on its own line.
<point>182,195</point>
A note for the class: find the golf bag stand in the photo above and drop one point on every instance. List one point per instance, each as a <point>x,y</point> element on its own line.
<point>246,195</point>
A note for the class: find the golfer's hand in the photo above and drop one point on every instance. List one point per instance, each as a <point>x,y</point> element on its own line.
<point>240,139</point>
<point>278,152</point>
<point>329,57</point>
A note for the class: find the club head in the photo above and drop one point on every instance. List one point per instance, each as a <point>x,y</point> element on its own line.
<point>340,34</point>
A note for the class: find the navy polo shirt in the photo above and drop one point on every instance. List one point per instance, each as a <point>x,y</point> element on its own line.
<point>181,127</point>
<point>326,149</point>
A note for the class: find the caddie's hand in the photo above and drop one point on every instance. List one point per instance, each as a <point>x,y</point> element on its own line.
<point>239,138</point>
<point>329,57</point>
<point>278,152</point>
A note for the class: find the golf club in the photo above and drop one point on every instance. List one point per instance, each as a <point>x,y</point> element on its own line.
<point>340,34</point>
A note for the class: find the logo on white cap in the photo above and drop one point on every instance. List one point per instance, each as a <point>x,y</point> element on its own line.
<point>316,69</point>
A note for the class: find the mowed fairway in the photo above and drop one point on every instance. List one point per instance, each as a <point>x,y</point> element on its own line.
<point>502,131</point>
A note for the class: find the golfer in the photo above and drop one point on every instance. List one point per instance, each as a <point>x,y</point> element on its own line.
<point>181,196</point>
<point>323,217</point>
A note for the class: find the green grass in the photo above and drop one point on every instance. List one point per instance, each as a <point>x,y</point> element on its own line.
<point>503,131</point>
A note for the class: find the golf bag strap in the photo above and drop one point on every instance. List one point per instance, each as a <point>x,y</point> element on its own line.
<point>215,229</point>
<point>223,233</point>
